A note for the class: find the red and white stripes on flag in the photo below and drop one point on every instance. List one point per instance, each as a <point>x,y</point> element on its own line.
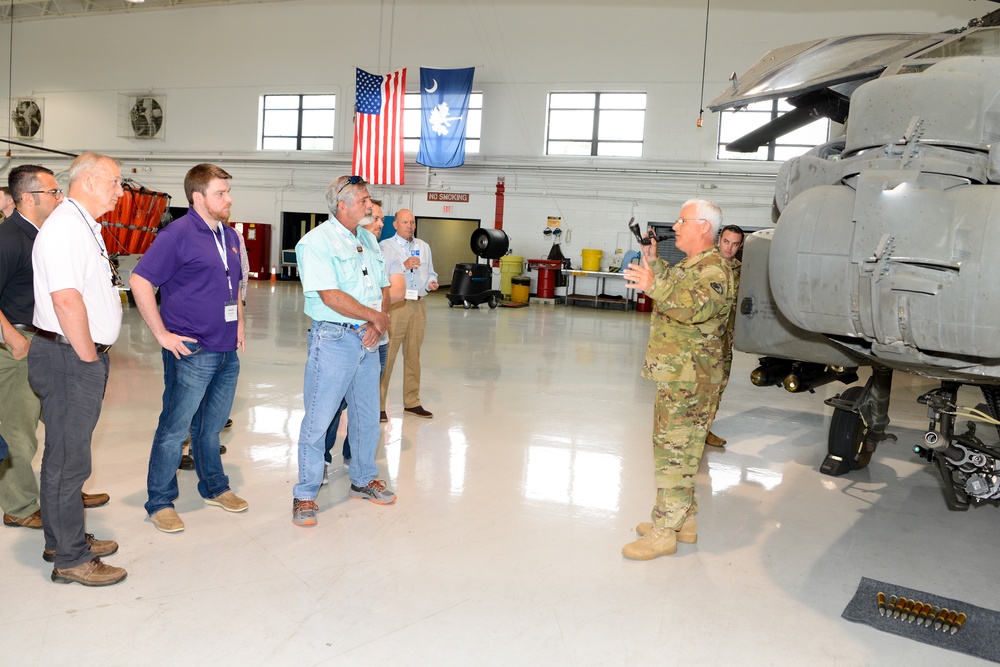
<point>378,127</point>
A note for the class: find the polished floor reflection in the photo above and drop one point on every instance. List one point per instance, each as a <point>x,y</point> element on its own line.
<point>514,503</point>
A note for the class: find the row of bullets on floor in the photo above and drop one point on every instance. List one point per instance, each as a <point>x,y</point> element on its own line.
<point>945,620</point>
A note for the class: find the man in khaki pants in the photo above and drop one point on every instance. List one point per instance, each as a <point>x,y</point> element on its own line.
<point>411,257</point>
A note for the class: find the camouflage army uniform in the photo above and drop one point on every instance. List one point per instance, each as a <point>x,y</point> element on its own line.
<point>685,358</point>
<point>727,341</point>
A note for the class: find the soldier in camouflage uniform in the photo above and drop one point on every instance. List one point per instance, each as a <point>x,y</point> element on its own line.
<point>730,242</point>
<point>684,357</point>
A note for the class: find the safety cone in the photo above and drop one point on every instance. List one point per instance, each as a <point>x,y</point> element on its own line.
<point>274,273</point>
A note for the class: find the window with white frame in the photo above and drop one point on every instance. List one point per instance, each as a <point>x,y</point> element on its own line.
<point>297,122</point>
<point>735,124</point>
<point>412,125</point>
<point>601,124</point>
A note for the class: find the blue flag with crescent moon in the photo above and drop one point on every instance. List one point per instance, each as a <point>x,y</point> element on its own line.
<point>444,102</point>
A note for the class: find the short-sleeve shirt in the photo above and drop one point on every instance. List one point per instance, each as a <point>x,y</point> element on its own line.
<point>17,292</point>
<point>189,263</point>
<point>332,258</point>
<point>69,253</point>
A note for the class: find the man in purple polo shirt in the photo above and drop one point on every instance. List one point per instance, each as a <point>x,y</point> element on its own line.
<point>195,261</point>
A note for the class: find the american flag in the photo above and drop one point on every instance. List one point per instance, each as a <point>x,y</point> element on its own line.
<point>378,127</point>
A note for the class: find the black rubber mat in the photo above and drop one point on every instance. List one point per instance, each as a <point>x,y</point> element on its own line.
<point>979,635</point>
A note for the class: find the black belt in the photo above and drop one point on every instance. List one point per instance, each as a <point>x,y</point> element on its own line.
<point>25,327</point>
<point>59,338</point>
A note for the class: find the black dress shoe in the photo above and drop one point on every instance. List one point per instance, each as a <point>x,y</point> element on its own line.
<point>419,411</point>
<point>187,462</point>
<point>382,417</point>
<point>222,449</point>
<point>229,422</point>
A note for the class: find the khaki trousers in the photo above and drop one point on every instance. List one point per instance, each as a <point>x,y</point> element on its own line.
<point>19,411</point>
<point>406,330</point>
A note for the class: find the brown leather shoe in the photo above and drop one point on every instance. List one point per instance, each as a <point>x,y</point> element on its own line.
<point>713,440</point>
<point>33,520</point>
<point>419,411</point>
<point>91,500</point>
<point>383,417</point>
<point>91,573</point>
<point>97,547</point>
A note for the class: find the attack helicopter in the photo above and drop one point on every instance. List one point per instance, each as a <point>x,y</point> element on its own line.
<point>886,246</point>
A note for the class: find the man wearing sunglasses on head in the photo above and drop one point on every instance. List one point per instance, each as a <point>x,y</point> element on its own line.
<point>684,358</point>
<point>37,194</point>
<point>347,296</point>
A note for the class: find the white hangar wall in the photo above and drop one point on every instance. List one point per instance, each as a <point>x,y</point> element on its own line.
<point>212,64</point>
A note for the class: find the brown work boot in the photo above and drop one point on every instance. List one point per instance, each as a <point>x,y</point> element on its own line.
<point>92,500</point>
<point>713,440</point>
<point>688,533</point>
<point>33,520</point>
<point>657,542</point>
<point>91,573</point>
<point>97,547</point>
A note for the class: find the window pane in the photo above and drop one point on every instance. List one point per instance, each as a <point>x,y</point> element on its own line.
<point>476,101</point>
<point>571,125</point>
<point>619,149</point>
<point>569,148</point>
<point>278,144</point>
<point>281,101</point>
<point>317,123</point>
<point>733,125</point>
<point>621,125</point>
<point>281,123</point>
<point>411,123</point>
<point>571,100</point>
<point>411,101</point>
<point>474,126</point>
<point>411,145</point>
<point>788,152</point>
<point>472,146</point>
<point>318,101</point>
<point>317,143</point>
<point>623,100</point>
<point>813,134</point>
<point>761,154</point>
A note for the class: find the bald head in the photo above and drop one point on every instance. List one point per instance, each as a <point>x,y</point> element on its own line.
<point>405,224</point>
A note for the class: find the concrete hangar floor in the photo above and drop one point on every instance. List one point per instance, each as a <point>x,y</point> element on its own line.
<point>514,503</point>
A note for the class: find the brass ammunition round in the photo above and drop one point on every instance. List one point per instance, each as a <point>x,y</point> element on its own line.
<point>881,603</point>
<point>922,616</point>
<point>939,619</point>
<point>908,613</point>
<point>900,605</point>
<point>951,618</point>
<point>959,622</point>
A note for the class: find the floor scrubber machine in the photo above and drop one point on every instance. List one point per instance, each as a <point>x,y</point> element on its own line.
<point>472,284</point>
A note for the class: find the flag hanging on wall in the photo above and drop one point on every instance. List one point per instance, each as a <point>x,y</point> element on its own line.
<point>378,127</point>
<point>444,102</point>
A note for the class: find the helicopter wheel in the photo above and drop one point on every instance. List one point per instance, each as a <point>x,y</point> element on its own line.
<point>845,439</point>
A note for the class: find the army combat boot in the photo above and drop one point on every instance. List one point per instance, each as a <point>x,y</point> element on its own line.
<point>657,542</point>
<point>713,440</point>
<point>688,533</point>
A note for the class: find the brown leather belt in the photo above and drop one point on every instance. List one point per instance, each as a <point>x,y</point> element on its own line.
<point>59,338</point>
<point>25,327</point>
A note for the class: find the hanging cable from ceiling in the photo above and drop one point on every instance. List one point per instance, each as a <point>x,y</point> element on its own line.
<point>10,70</point>
<point>704,61</point>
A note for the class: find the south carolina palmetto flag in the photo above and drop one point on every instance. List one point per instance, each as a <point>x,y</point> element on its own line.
<point>378,127</point>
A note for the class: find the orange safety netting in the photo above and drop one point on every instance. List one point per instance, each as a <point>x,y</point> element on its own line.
<point>132,226</point>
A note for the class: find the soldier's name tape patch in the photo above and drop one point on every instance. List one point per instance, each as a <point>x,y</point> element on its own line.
<point>717,287</point>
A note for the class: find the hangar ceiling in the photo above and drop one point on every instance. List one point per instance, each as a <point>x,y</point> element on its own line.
<point>28,10</point>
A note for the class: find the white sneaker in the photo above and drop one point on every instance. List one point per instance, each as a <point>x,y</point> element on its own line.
<point>326,474</point>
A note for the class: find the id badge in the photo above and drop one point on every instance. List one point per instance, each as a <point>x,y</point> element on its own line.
<point>232,312</point>
<point>376,305</point>
<point>411,295</point>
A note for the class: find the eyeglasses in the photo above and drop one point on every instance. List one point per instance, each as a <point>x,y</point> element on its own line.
<point>680,221</point>
<point>353,180</point>
<point>57,193</point>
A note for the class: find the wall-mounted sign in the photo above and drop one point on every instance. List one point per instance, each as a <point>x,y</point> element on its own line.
<point>461,197</point>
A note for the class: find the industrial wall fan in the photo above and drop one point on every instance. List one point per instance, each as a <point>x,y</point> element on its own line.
<point>146,117</point>
<point>26,117</point>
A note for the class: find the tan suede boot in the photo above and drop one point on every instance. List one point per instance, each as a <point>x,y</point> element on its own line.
<point>688,533</point>
<point>714,441</point>
<point>657,542</point>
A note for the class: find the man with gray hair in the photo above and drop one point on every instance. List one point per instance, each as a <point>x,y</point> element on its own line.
<point>347,296</point>
<point>684,357</point>
<point>78,316</point>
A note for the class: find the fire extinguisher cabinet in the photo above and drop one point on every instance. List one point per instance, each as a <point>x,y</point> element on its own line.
<point>257,236</point>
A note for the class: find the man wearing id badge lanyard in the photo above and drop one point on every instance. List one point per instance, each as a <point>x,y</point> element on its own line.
<point>195,261</point>
<point>411,257</point>
<point>346,296</point>
<point>77,318</point>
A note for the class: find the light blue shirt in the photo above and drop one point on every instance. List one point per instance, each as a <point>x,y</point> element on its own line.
<point>397,250</point>
<point>329,259</point>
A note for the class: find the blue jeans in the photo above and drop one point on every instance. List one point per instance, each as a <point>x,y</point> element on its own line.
<point>198,391</point>
<point>338,368</point>
<point>331,433</point>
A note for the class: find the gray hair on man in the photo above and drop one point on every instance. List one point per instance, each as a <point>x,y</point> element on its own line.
<point>708,211</point>
<point>344,190</point>
<point>86,163</point>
